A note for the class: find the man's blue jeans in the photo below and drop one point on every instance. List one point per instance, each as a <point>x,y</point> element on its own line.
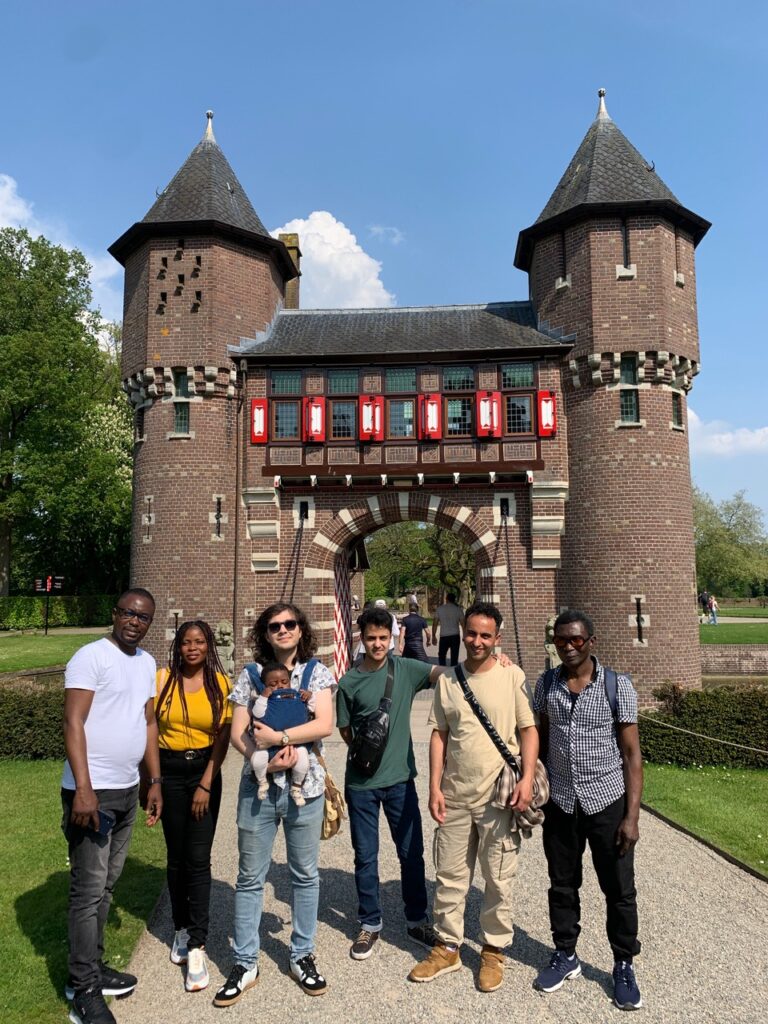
<point>401,809</point>
<point>257,825</point>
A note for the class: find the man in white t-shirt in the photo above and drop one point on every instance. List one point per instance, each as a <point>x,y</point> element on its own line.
<point>449,620</point>
<point>109,729</point>
<point>394,644</point>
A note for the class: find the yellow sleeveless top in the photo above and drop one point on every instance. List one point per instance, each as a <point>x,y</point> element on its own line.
<point>175,733</point>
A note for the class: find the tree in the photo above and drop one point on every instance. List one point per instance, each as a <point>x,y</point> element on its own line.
<point>731,546</point>
<point>410,556</point>
<point>55,490</point>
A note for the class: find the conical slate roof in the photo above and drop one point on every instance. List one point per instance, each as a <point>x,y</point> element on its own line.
<point>206,188</point>
<point>205,197</point>
<point>607,174</point>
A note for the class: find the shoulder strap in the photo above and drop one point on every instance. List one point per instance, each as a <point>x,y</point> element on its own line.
<point>390,680</point>
<point>484,720</point>
<point>549,678</point>
<point>306,675</point>
<point>254,675</point>
<point>611,687</point>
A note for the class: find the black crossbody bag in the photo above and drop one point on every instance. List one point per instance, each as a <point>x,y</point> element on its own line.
<point>367,747</point>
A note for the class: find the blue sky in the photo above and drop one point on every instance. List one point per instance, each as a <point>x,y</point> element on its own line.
<point>409,142</point>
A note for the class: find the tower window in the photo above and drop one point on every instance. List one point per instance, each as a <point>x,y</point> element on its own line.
<point>625,243</point>
<point>677,409</point>
<point>629,405</point>
<point>139,436</point>
<point>180,418</point>
<point>628,372</point>
<point>181,383</point>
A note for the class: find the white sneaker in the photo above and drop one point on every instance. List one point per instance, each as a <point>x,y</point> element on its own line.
<point>197,971</point>
<point>179,947</point>
<point>296,796</point>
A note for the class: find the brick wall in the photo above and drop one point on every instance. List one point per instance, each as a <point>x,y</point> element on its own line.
<point>734,659</point>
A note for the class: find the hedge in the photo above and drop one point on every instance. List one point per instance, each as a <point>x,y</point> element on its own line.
<point>738,715</point>
<point>29,612</point>
<point>31,716</point>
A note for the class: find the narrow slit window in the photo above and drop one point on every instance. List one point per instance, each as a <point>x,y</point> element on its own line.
<point>677,409</point>
<point>181,418</point>
<point>625,243</point>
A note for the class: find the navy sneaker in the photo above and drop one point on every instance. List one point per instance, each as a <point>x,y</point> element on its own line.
<point>561,968</point>
<point>626,994</point>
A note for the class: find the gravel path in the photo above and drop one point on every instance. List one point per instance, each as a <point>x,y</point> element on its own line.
<point>703,927</point>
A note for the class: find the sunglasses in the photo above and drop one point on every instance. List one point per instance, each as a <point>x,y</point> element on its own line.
<point>129,613</point>
<point>286,624</point>
<point>577,642</point>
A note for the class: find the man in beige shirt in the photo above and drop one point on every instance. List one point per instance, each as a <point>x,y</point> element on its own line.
<point>463,767</point>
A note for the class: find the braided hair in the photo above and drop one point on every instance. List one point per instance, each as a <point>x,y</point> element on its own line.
<point>211,668</point>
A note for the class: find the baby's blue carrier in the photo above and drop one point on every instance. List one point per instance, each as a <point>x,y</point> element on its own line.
<point>285,708</point>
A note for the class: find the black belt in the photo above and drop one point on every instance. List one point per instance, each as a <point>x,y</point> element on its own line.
<point>186,755</point>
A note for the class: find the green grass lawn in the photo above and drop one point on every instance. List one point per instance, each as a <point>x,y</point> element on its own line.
<point>726,806</point>
<point>732,633</point>
<point>33,898</point>
<point>745,612</point>
<point>35,650</point>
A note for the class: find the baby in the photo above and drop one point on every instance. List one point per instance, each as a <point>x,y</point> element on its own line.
<point>281,708</point>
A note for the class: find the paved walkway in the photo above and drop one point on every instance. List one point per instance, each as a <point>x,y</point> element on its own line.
<point>703,926</point>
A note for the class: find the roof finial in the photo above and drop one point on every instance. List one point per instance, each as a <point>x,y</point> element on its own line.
<point>601,111</point>
<point>209,127</point>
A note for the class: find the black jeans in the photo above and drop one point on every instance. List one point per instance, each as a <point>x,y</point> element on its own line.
<point>448,645</point>
<point>565,838</point>
<point>188,842</point>
<point>95,863</point>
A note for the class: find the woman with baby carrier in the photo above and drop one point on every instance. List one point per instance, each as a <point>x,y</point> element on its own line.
<point>193,717</point>
<point>280,634</point>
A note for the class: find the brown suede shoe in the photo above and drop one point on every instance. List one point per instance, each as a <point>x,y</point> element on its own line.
<point>491,969</point>
<point>441,960</point>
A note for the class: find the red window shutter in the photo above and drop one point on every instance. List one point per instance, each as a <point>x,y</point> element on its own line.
<point>259,421</point>
<point>488,413</point>
<point>547,413</point>
<point>430,417</point>
<point>371,425</point>
<point>313,419</point>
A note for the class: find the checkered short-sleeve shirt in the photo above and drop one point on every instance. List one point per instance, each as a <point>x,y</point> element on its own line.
<point>583,760</point>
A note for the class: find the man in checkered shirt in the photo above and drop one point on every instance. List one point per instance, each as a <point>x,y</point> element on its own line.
<point>596,779</point>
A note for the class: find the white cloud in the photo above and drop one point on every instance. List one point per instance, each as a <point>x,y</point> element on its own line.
<point>719,438</point>
<point>336,271</point>
<point>389,234</point>
<point>18,212</point>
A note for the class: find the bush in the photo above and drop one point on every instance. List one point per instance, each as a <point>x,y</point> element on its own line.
<point>29,612</point>
<point>31,715</point>
<point>740,716</point>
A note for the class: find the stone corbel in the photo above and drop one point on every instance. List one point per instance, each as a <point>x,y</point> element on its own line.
<point>573,366</point>
<point>210,373</point>
<point>595,362</point>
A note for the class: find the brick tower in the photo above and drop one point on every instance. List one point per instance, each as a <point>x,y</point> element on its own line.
<point>611,261</point>
<point>201,270</point>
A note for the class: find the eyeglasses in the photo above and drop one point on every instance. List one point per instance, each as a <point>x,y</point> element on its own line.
<point>129,613</point>
<point>577,642</point>
<point>286,624</point>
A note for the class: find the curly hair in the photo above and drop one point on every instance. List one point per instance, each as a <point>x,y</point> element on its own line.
<point>258,638</point>
<point>211,668</point>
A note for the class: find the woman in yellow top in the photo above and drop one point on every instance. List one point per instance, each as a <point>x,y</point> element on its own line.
<point>193,717</point>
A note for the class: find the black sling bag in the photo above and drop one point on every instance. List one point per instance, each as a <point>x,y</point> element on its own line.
<point>367,747</point>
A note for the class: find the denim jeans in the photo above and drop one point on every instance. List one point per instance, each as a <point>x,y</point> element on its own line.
<point>401,809</point>
<point>188,842</point>
<point>257,825</point>
<point>565,838</point>
<point>95,864</point>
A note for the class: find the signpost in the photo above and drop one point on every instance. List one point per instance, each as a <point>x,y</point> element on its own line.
<point>44,585</point>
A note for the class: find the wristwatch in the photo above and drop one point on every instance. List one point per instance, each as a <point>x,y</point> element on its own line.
<point>285,739</point>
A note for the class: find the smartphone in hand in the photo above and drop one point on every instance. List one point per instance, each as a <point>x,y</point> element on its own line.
<point>106,823</point>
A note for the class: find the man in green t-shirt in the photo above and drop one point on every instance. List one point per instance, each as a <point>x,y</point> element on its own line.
<point>391,787</point>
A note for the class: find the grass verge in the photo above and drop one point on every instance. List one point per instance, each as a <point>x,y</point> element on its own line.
<point>36,650</point>
<point>726,806</point>
<point>744,613</point>
<point>33,899</point>
<point>734,633</point>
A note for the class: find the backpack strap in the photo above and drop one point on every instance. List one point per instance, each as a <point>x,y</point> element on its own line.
<point>254,675</point>
<point>610,680</point>
<point>306,675</point>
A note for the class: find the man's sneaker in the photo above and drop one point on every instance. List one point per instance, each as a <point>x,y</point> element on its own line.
<point>197,971</point>
<point>307,975</point>
<point>363,945</point>
<point>88,1007</point>
<point>422,933</point>
<point>626,994</point>
<point>113,983</point>
<point>491,974</point>
<point>561,968</point>
<point>179,947</point>
<point>240,980</point>
<point>441,960</point>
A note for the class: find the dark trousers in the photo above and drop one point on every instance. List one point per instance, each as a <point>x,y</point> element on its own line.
<point>188,843</point>
<point>565,838</point>
<point>401,809</point>
<point>95,864</point>
<point>448,645</point>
